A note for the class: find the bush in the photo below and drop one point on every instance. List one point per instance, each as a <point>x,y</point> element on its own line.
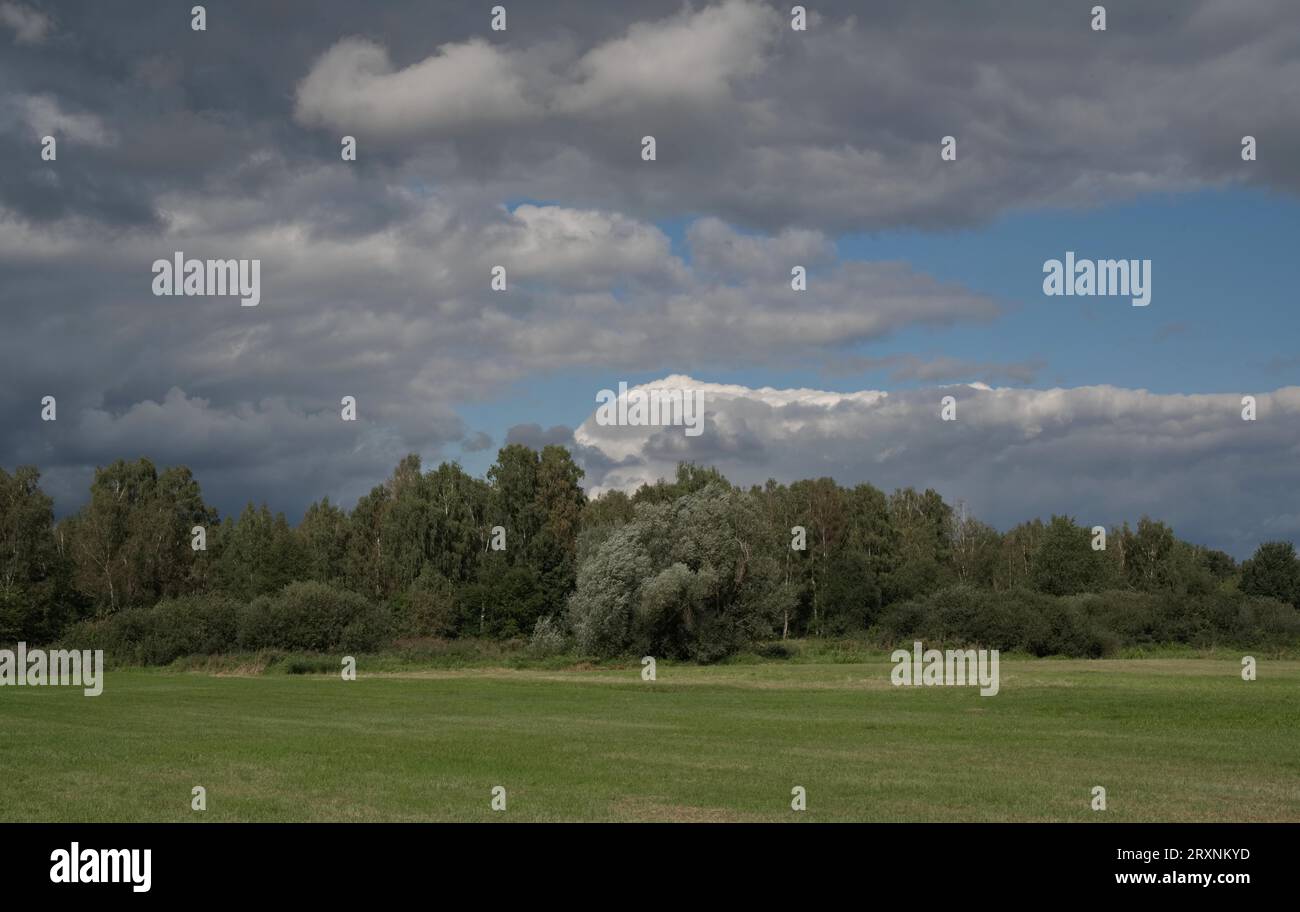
<point>1017,620</point>
<point>958,615</point>
<point>1068,632</point>
<point>312,617</point>
<point>161,633</point>
<point>851,595</point>
<point>1090,625</point>
<point>600,610</point>
<point>303,617</point>
<point>901,621</point>
<point>256,625</point>
<point>427,609</point>
<point>548,638</point>
<point>302,665</point>
<point>1274,623</point>
<point>774,650</point>
<point>504,603</point>
<point>670,615</point>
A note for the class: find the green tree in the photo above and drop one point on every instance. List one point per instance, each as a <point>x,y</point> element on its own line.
<point>1149,555</point>
<point>976,548</point>
<point>1065,563</point>
<point>460,516</point>
<point>1016,555</point>
<point>601,609</point>
<point>924,533</point>
<point>561,500</point>
<point>689,479</point>
<point>323,540</point>
<point>687,578</point>
<point>36,598</point>
<point>366,553</point>
<point>779,513</point>
<point>258,554</point>
<point>823,513</point>
<point>851,596</point>
<point>131,543</point>
<point>515,502</point>
<point>609,509</point>
<point>1273,572</point>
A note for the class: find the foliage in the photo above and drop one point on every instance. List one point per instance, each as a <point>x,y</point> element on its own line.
<point>692,568</point>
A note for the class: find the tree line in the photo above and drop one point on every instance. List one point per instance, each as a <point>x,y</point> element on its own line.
<point>692,567</point>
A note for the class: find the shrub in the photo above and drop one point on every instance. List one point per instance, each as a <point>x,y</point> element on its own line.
<point>312,617</point>
<point>425,609</point>
<point>548,638</point>
<point>1272,622</point>
<point>901,621</point>
<point>504,603</point>
<point>256,625</point>
<point>159,634</point>
<point>1068,632</point>
<point>966,616</point>
<point>1088,625</point>
<point>303,617</point>
<point>774,650</point>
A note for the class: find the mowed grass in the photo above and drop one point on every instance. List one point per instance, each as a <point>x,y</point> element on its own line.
<point>1169,739</point>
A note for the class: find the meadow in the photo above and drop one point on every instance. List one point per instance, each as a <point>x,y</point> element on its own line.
<point>1170,739</point>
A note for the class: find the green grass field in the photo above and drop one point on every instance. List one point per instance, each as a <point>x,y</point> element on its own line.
<point>1171,739</point>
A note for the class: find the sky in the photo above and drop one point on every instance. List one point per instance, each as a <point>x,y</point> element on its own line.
<point>775,148</point>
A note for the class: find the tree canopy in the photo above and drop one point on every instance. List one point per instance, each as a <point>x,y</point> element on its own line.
<point>691,567</point>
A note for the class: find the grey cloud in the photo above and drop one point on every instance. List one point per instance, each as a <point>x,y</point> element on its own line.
<point>839,127</point>
<point>477,442</point>
<point>533,435</point>
<point>588,288</point>
<point>941,368</point>
<point>717,248</point>
<point>397,313</point>
<point>29,26</point>
<point>1102,454</point>
<point>354,88</point>
<point>833,129</point>
<point>270,451</point>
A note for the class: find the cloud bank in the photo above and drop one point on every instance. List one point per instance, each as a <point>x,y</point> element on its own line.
<point>1099,453</point>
